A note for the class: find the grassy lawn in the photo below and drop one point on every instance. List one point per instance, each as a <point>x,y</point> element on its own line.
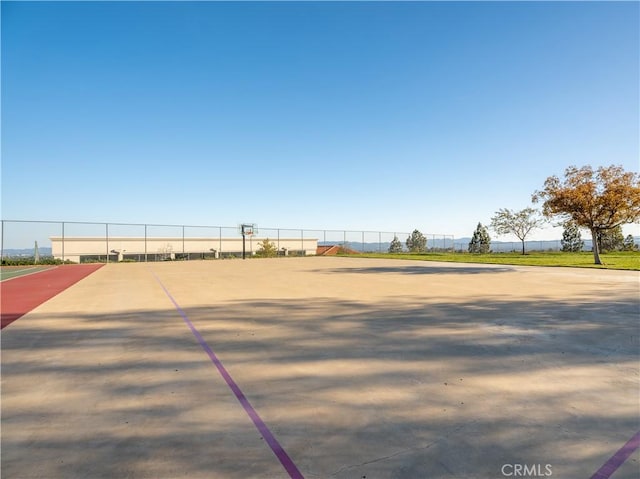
<point>8,272</point>
<point>617,260</point>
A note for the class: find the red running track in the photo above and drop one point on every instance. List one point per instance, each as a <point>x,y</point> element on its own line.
<point>20,295</point>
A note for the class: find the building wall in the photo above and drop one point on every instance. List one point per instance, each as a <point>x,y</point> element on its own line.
<point>119,247</point>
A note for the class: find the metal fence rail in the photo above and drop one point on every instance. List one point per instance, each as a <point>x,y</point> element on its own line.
<point>516,246</point>
<point>112,242</point>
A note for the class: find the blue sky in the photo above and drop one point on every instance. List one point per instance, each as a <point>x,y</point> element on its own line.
<point>338,115</point>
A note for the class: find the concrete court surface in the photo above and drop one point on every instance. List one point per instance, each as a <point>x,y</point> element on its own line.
<point>359,367</point>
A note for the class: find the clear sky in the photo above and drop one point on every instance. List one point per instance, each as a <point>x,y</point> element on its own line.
<point>326,115</point>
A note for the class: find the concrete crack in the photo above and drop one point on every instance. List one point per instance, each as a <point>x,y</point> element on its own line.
<point>384,458</point>
<point>402,451</point>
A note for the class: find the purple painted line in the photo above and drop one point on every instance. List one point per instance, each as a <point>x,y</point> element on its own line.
<point>273,443</point>
<point>618,458</point>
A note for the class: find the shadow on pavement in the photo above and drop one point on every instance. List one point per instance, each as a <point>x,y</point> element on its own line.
<point>351,389</point>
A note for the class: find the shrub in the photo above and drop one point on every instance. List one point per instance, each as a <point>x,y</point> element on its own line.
<point>267,249</point>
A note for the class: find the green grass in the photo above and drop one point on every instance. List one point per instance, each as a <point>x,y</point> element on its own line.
<point>8,272</point>
<point>629,260</point>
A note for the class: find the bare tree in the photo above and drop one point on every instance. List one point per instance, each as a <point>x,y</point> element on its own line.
<point>520,223</point>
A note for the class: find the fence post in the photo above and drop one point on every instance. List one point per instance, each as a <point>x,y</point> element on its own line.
<point>2,243</point>
<point>63,241</point>
<point>106,225</point>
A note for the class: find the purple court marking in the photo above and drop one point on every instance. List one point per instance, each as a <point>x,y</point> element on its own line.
<point>275,446</point>
<point>618,458</point>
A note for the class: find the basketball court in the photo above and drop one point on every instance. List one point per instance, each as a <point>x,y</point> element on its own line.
<point>325,368</point>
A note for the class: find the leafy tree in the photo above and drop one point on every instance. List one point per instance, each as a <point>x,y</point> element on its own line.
<point>481,241</point>
<point>571,238</point>
<point>598,200</point>
<point>630,243</point>
<point>416,242</point>
<point>267,249</point>
<point>611,240</point>
<point>395,246</point>
<point>520,223</point>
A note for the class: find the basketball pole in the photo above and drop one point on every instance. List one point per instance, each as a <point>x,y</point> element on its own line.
<point>244,242</point>
<point>246,229</point>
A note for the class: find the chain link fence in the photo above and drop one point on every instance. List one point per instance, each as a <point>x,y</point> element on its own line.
<point>516,246</point>
<point>81,242</point>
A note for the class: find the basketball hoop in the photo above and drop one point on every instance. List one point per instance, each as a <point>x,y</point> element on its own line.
<point>246,229</point>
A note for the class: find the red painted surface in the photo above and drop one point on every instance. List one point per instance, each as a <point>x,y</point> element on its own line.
<point>334,250</point>
<point>20,295</point>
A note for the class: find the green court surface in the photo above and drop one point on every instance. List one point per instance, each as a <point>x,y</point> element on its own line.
<point>9,272</point>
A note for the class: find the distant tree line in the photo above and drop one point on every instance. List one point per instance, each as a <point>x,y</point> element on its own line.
<point>608,240</point>
<point>600,201</point>
<point>29,260</point>
<point>416,242</point>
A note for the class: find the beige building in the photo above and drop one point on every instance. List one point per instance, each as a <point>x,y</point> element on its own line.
<point>121,248</point>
